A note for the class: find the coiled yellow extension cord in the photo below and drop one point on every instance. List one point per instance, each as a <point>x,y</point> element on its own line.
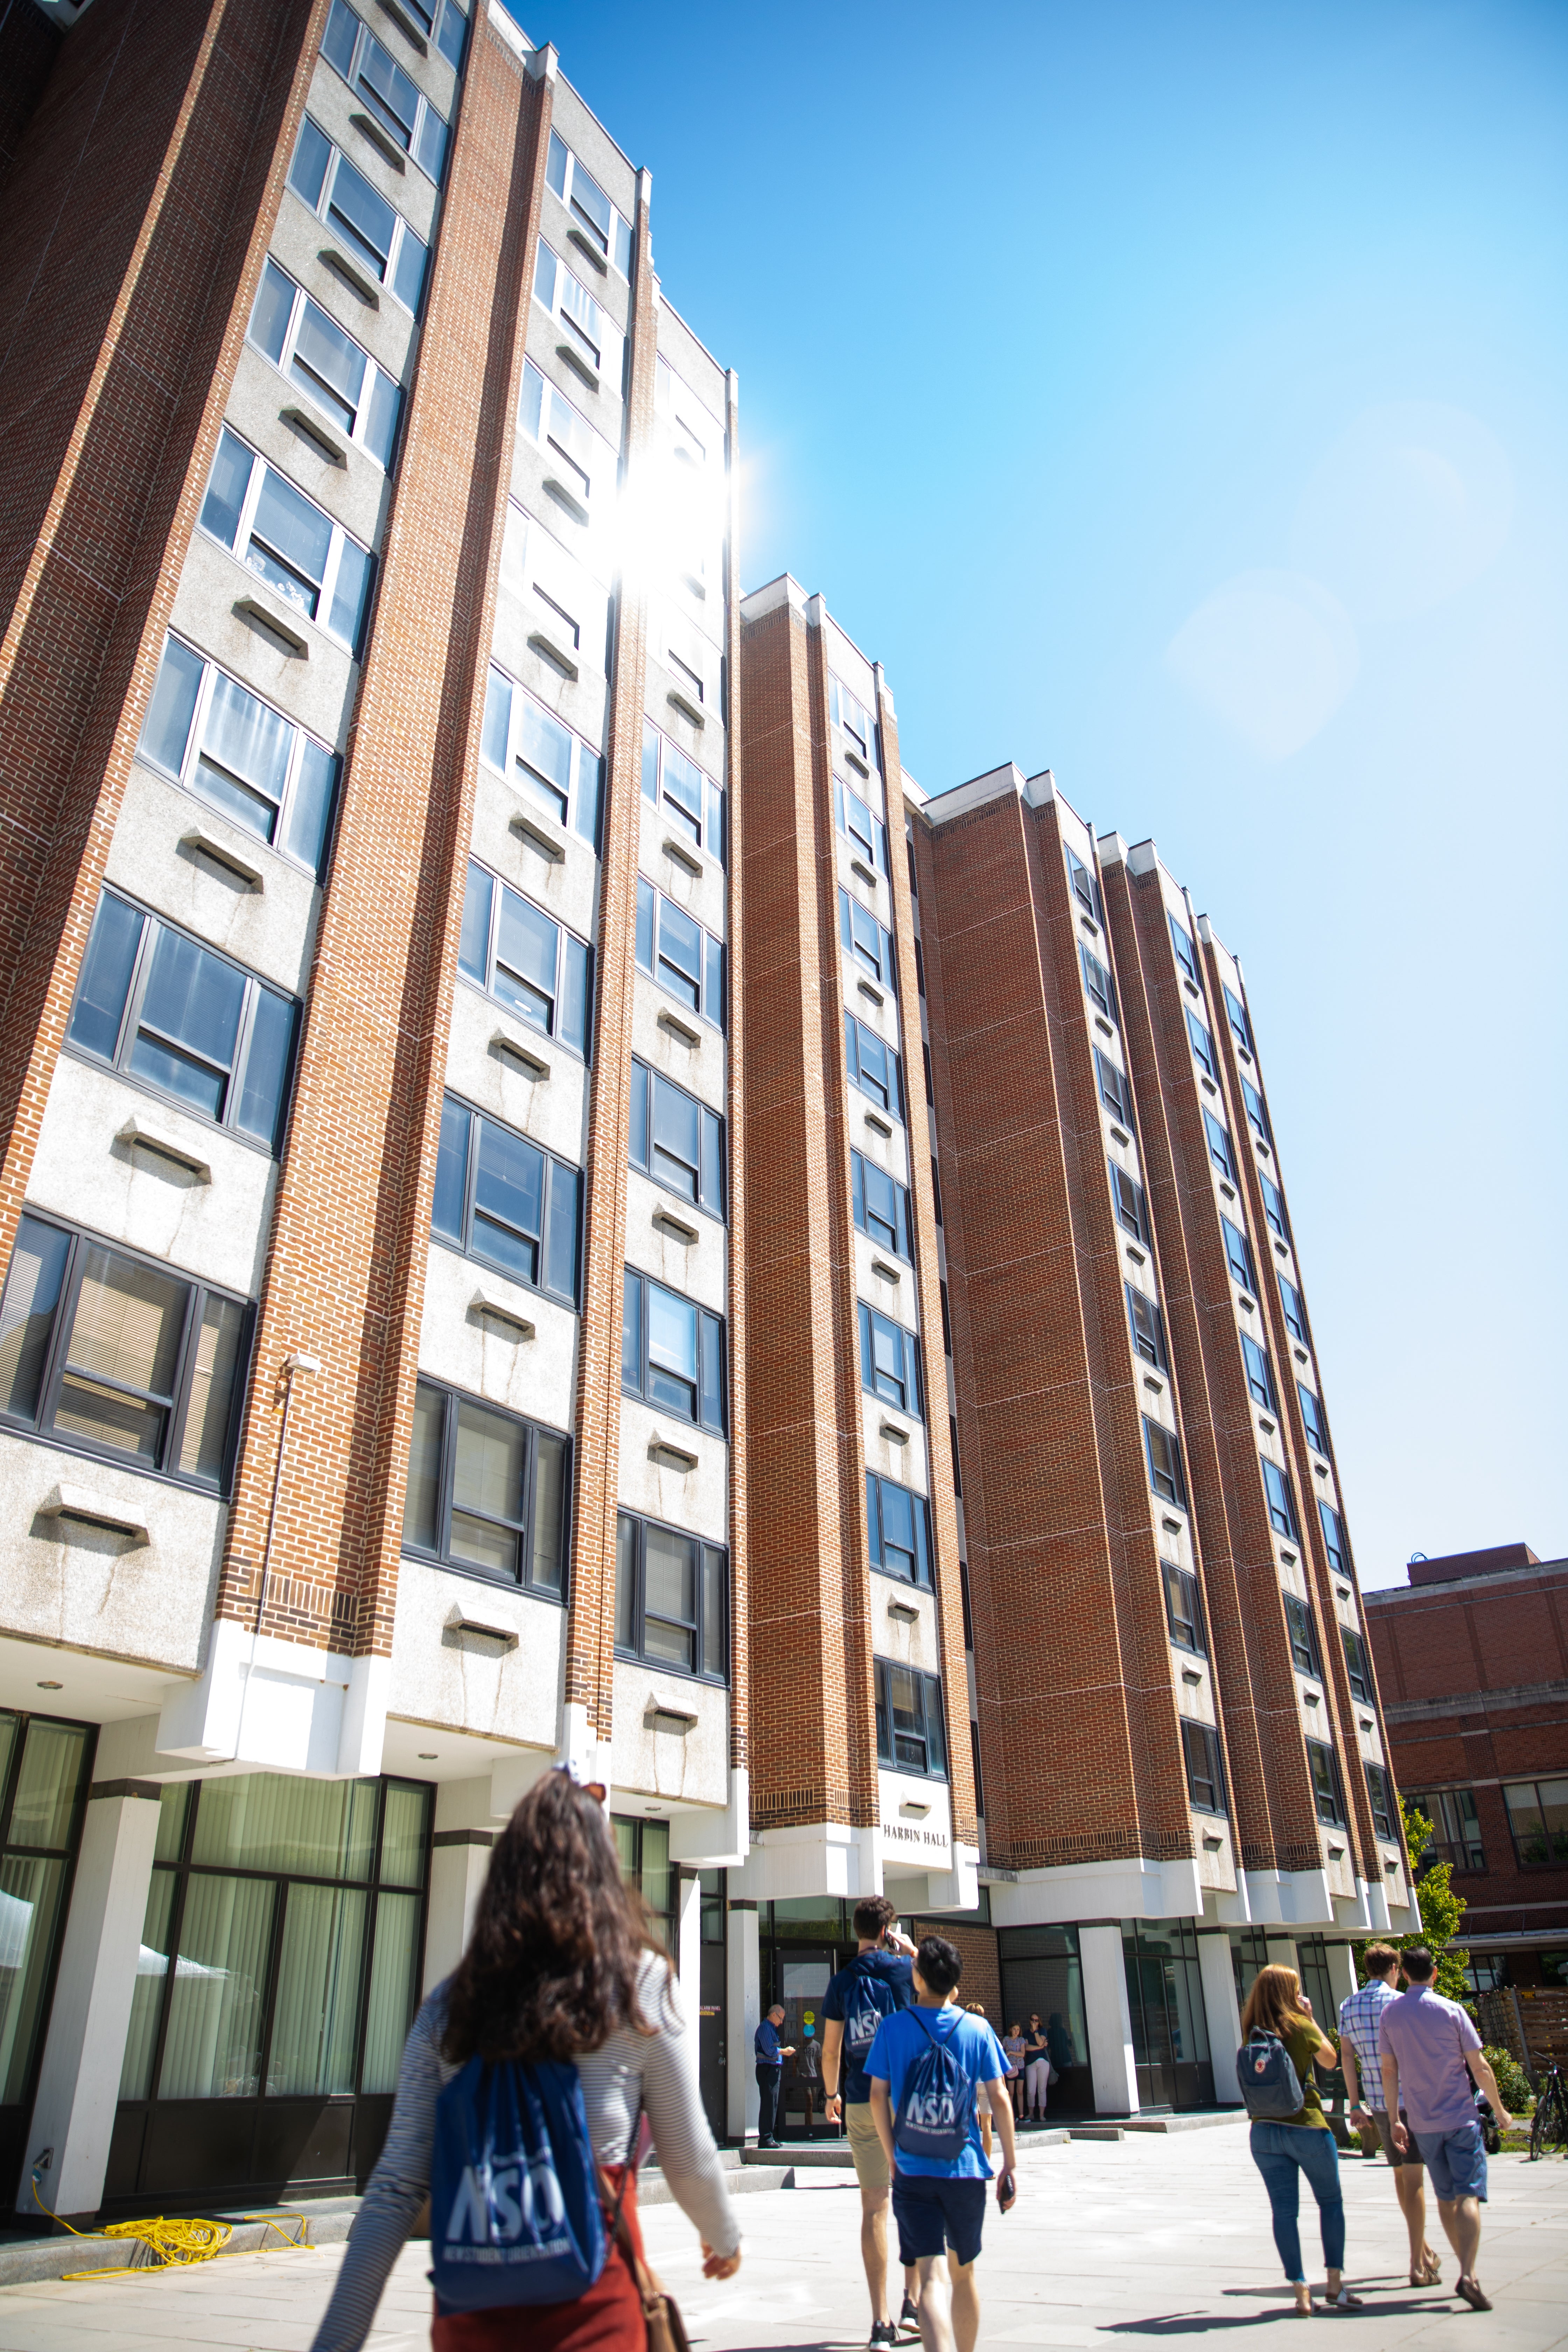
<point>177,2244</point>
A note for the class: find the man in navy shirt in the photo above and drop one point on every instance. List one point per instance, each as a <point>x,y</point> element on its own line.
<point>770,2074</point>
<point>939,2199</point>
<point>877,1981</point>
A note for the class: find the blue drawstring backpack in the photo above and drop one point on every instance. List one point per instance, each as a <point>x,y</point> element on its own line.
<point>515,2216</point>
<point>873,1998</point>
<point>938,2106</point>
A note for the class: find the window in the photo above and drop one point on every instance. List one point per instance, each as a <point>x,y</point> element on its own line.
<point>953,1448</point>
<point>593,216</point>
<point>1203,1045</point>
<point>1115,1088</point>
<point>313,351</point>
<point>1457,1826</point>
<point>866,834</point>
<point>1219,1146</point>
<point>1274,1208</point>
<point>588,462</point>
<point>935,1188</point>
<point>1238,1256</point>
<point>117,1355</point>
<point>1379,1795</point>
<point>534,751</point>
<point>593,339</point>
<point>677,1140</point>
<point>1538,1819</point>
<point>1084,887</point>
<point>1281,1505</point>
<point>1126,1200</point>
<point>897,1530</point>
<point>1186,954</point>
<point>881,1207</point>
<point>974,1765</point>
<point>873,1067</point>
<point>1335,1539</point>
<point>672,1353</point>
<point>1255,1110</point>
<point>1240,1028</point>
<point>529,963</point>
<point>223,743</point>
<point>968,1605</point>
<point>486,1491</point>
<point>930,1082</point>
<point>1303,1637</point>
<point>501,1198</point>
<point>680,955</point>
<point>946,1320</point>
<point>890,1361</point>
<point>401,110</point>
<point>1097,981</point>
<point>692,800</point>
<point>46,1770</point>
<point>1259,1376</point>
<point>376,237</point>
<point>1312,1415</point>
<point>642,1849</point>
<point>1295,1311</point>
<point>1205,1769</point>
<point>672,1600</point>
<point>277,533</point>
<point>1327,1796</point>
<point>1165,1464</point>
<point>866,940</point>
<point>911,1735</point>
<point>1183,1609</point>
<point>855,721</point>
<point>1148,1328</point>
<point>1358,1667</point>
<point>184,1021</point>
<point>695,433</point>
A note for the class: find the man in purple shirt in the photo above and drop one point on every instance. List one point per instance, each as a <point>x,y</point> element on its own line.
<point>1430,2053</point>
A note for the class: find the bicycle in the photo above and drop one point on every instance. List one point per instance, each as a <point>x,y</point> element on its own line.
<point>1549,2125</point>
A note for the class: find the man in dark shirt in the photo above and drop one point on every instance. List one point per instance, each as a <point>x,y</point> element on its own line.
<point>770,2056</point>
<point>877,1983</point>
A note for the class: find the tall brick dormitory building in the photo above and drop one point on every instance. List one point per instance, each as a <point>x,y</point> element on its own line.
<point>553,1199</point>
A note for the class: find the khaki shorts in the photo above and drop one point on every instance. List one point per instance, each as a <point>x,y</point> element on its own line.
<point>866,2147</point>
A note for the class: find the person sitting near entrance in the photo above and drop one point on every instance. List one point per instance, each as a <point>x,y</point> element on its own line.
<point>562,1965</point>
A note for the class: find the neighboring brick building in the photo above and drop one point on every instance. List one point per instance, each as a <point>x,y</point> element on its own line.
<point>1472,1658</point>
<point>420,865</point>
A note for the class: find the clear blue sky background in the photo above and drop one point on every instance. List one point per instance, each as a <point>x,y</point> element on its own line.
<point>1174,394</point>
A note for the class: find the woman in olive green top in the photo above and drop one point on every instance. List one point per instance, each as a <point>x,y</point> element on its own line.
<point>1285,2147</point>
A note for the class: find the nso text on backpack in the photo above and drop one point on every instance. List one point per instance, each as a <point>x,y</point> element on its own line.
<point>873,1999</point>
<point>1271,2085</point>
<point>938,2104</point>
<point>514,2196</point>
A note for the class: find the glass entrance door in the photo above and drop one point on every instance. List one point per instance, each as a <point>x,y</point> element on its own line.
<point>1170,2030</point>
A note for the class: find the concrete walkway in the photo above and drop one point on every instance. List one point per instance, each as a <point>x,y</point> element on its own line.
<point>1125,2242</point>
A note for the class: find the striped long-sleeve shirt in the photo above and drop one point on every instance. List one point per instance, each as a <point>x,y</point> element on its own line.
<point>662,2067</point>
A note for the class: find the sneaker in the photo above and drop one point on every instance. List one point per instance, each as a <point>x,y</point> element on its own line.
<point>910,2317</point>
<point>883,2336</point>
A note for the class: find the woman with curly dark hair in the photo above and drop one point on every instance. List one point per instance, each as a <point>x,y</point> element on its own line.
<point>561,1966</point>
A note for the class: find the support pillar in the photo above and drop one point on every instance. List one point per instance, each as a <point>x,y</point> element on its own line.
<point>744,2012</point>
<point>79,2085</point>
<point>1342,1977</point>
<point>459,1863</point>
<point>1109,2019</point>
<point>1223,2013</point>
<point>1282,1952</point>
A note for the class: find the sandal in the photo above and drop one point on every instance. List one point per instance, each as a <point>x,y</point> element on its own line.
<point>1344,2301</point>
<point>1470,2288</point>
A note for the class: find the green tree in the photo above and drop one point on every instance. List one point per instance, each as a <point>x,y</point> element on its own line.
<point>1441,1911</point>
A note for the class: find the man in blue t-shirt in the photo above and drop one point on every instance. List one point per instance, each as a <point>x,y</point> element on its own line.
<point>770,2054</point>
<point>939,2201</point>
<point>877,1981</point>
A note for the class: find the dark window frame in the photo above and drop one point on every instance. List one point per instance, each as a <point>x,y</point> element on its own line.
<point>1115,1088</point>
<point>1302,1631</point>
<point>1163,1452</point>
<point>1204,1763</point>
<point>292,805</point>
<point>79,1240</point>
<point>712,1335</point>
<point>1256,1110</point>
<point>1295,1314</point>
<point>463,1243</point>
<point>1202,1043</point>
<point>1083,884</point>
<point>1236,1013</point>
<point>1183,948</point>
<point>872,844</point>
<point>876,954</point>
<point>711,1559</point>
<point>1380,1798</point>
<point>932,1734</point>
<point>924,1552</point>
<point>1222,1151</point>
<point>653,961</point>
<point>1099,982</point>
<point>1238,1256</point>
<point>1129,1203</point>
<point>854,1029</point>
<point>1259,1385</point>
<point>901,1245</point>
<point>1358,1664</point>
<point>1146,1327</point>
<point>911,1355</point>
<point>1280,1500</point>
<point>523,1528</point>
<point>1274,1208</point>
<point>1184,1617</point>
<point>1328,1788</point>
<point>1335,1540</point>
<point>645,1074</point>
<point>1312,1420</point>
<point>565,938</point>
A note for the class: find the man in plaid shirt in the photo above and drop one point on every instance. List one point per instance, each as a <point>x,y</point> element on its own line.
<point>1361,2048</point>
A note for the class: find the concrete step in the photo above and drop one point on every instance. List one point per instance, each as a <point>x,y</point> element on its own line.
<point>740,2180</point>
<point>1182,2123</point>
<point>828,2154</point>
<point>1097,2131</point>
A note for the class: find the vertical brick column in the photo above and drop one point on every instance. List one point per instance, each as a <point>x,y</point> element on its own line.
<point>740,1652</point>
<point>135,222</point>
<point>928,1288</point>
<point>345,1272</point>
<point>591,1611</point>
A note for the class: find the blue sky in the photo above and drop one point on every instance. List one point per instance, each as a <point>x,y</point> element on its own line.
<point>1174,395</point>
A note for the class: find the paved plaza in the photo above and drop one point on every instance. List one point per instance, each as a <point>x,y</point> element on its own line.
<point>1136,2240</point>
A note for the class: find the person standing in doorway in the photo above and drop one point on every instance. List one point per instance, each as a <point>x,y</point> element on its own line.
<point>1286,2146</point>
<point>877,1983</point>
<point>1431,2056</point>
<point>939,2199</point>
<point>770,2054</point>
<point>1036,2068</point>
<point>808,2075</point>
<point>1014,2047</point>
<point>1361,2055</point>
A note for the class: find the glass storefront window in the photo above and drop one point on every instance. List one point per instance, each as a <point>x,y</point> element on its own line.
<point>392,1989</point>
<point>212,2048</point>
<point>43,1788</point>
<point>1042,1972</point>
<point>1170,2027</point>
<point>643,1847</point>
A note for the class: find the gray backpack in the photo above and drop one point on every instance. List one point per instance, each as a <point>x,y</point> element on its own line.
<point>1270,2086</point>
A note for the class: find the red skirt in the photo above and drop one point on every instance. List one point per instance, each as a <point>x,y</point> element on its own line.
<point>608,2318</point>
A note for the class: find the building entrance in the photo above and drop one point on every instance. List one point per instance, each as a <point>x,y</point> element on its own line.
<point>280,1967</point>
<point>43,1767</point>
<point>1170,2027</point>
<point>803,1943</point>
